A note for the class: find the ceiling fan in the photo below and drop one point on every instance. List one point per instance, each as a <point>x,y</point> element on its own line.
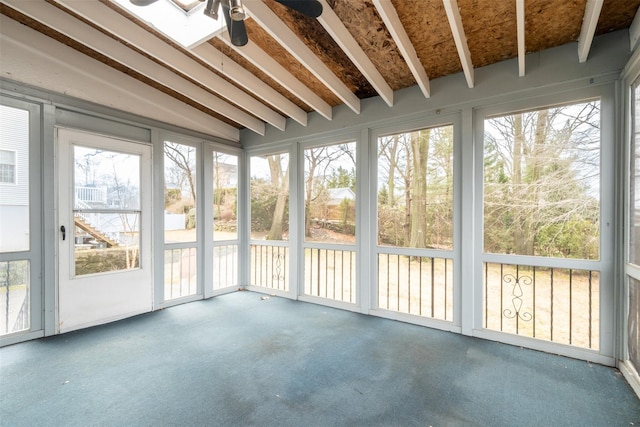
<point>234,14</point>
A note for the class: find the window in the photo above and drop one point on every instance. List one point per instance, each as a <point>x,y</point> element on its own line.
<point>633,225</point>
<point>415,189</point>
<point>269,192</point>
<point>225,220</point>
<point>415,222</point>
<point>180,220</point>
<point>542,203</point>
<point>634,181</point>
<point>182,21</point>
<point>330,221</point>
<point>20,250</point>
<point>7,167</point>
<point>542,182</point>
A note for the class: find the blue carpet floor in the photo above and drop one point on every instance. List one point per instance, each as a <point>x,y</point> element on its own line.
<point>239,360</point>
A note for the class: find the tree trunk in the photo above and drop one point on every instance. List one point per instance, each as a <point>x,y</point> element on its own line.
<point>275,233</point>
<point>538,159</point>
<point>275,168</point>
<point>516,183</point>
<point>313,163</point>
<point>420,149</point>
<point>393,162</point>
<point>406,228</point>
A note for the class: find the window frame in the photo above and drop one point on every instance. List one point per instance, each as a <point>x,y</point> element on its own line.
<point>454,119</point>
<point>606,93</point>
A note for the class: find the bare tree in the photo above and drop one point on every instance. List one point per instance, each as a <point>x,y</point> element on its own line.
<point>418,212</point>
<point>183,158</point>
<point>527,211</point>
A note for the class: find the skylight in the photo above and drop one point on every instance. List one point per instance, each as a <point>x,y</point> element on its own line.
<point>188,29</point>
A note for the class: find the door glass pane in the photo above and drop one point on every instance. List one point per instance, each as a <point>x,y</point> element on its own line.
<point>542,182</point>
<point>415,189</point>
<point>106,233</point>
<point>179,193</point>
<point>14,179</point>
<point>14,296</point>
<point>225,196</point>
<point>634,181</point>
<point>270,197</point>
<point>330,193</point>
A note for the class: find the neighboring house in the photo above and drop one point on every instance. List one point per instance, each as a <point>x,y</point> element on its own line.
<point>226,175</point>
<point>335,207</point>
<point>14,180</point>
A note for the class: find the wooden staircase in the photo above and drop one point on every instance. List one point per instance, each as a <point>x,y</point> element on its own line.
<point>93,232</point>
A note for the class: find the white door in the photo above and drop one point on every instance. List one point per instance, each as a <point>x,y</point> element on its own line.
<point>104,221</point>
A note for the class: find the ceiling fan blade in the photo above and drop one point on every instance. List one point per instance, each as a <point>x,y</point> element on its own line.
<point>142,2</point>
<point>237,30</point>
<point>310,8</point>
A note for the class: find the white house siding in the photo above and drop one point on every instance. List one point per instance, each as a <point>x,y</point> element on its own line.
<point>14,198</point>
<point>14,228</point>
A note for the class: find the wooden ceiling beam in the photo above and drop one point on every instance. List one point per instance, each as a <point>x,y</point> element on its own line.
<point>258,57</point>
<point>522,51</point>
<point>35,59</point>
<point>589,24</point>
<point>336,29</point>
<point>111,21</point>
<point>455,22</point>
<point>231,69</point>
<point>268,20</point>
<point>391,20</point>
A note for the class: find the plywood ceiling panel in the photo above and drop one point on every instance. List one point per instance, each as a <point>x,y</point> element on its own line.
<point>362,20</point>
<point>490,27</point>
<point>550,23</point>
<point>616,15</point>
<point>316,38</point>
<point>260,37</point>
<point>231,53</point>
<point>428,29</point>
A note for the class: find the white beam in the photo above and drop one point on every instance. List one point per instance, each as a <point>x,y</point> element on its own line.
<point>77,30</point>
<point>32,58</point>
<point>334,26</point>
<point>455,22</point>
<point>290,41</point>
<point>589,24</point>
<point>258,57</point>
<point>634,31</point>
<point>110,20</point>
<point>396,29</point>
<point>521,40</point>
<point>231,69</point>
